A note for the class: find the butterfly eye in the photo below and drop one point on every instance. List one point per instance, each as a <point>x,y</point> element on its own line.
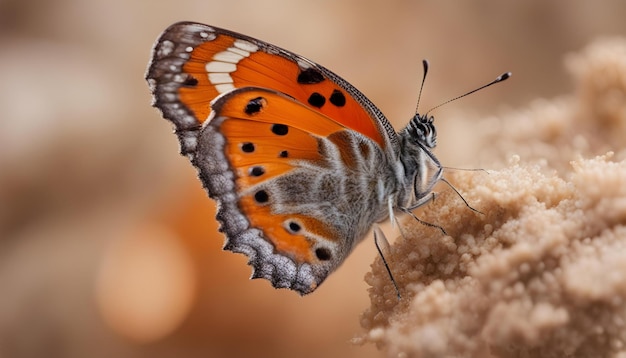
<point>323,254</point>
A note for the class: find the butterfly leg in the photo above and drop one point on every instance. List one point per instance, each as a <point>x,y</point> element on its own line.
<point>379,237</point>
<point>460,196</point>
<point>408,211</point>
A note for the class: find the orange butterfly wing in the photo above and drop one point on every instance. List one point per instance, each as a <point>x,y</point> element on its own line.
<point>194,63</point>
<point>281,194</point>
<point>263,125</point>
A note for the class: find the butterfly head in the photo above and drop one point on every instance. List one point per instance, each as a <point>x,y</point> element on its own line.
<point>422,129</point>
<point>420,168</point>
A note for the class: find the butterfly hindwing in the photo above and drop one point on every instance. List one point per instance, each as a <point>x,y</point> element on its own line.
<point>271,143</point>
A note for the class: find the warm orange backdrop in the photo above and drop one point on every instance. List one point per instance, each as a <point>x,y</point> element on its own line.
<point>108,245</point>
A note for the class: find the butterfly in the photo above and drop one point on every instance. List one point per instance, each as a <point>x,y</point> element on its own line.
<point>300,162</point>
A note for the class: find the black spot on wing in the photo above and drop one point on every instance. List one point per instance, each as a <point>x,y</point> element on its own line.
<point>190,81</point>
<point>261,197</point>
<point>323,254</point>
<point>337,98</point>
<point>247,147</point>
<point>316,100</point>
<point>310,76</point>
<point>280,129</point>
<point>257,171</point>
<point>294,227</point>
<point>254,106</point>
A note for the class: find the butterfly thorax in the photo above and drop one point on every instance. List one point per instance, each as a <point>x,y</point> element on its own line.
<point>420,169</point>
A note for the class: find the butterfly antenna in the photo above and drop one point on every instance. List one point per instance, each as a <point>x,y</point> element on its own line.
<point>419,96</point>
<point>378,233</point>
<point>500,78</point>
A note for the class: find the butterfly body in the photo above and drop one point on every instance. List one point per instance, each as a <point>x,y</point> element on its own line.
<point>300,162</point>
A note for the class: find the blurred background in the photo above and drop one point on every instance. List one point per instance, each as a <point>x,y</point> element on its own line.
<point>108,244</point>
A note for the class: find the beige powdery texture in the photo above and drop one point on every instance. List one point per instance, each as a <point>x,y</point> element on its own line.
<point>542,272</point>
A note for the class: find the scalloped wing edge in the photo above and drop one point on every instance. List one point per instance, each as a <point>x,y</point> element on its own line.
<point>218,180</point>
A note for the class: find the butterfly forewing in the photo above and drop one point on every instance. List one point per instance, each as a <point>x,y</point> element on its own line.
<point>210,61</point>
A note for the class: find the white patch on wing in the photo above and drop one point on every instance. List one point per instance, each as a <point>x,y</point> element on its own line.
<point>246,46</point>
<point>204,35</point>
<point>165,48</point>
<point>228,56</point>
<point>239,51</point>
<point>225,62</point>
<point>218,66</point>
<point>304,65</point>
<point>219,77</point>
<point>224,87</point>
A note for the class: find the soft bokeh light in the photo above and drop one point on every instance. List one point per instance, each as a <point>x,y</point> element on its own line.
<point>146,284</point>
